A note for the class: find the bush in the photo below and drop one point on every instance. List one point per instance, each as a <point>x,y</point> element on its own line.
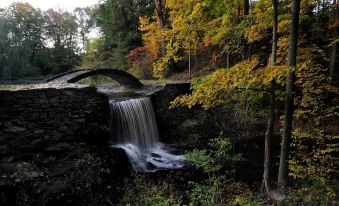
<point>140,61</point>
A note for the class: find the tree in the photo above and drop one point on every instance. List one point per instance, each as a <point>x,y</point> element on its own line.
<point>159,10</point>
<point>246,51</point>
<point>268,139</point>
<point>85,23</point>
<point>118,21</point>
<point>61,29</point>
<point>21,39</point>
<point>289,97</point>
<point>275,31</point>
<point>28,20</point>
<point>270,124</point>
<point>334,73</point>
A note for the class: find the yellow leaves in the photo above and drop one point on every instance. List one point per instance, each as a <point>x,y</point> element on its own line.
<point>282,50</point>
<point>151,35</point>
<point>160,68</point>
<point>217,30</point>
<point>262,23</point>
<point>318,161</point>
<point>217,88</point>
<point>256,32</point>
<point>284,26</point>
<point>263,76</point>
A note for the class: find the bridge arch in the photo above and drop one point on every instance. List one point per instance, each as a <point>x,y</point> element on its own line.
<point>124,78</point>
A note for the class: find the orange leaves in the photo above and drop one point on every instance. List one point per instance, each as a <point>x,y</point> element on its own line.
<point>136,55</point>
<point>256,32</point>
<point>151,35</point>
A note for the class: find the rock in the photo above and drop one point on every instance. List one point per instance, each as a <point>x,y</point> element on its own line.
<point>27,148</point>
<point>58,147</point>
<point>8,124</point>
<point>276,195</point>
<point>39,131</point>
<point>36,142</point>
<point>3,137</point>
<point>7,195</point>
<point>63,128</point>
<point>3,149</point>
<point>15,129</point>
<point>8,159</point>
<point>53,189</point>
<point>52,93</point>
<point>155,155</point>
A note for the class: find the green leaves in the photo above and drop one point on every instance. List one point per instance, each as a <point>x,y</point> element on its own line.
<point>212,159</point>
<point>202,159</point>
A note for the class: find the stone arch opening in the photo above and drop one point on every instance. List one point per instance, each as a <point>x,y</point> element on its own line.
<point>124,78</point>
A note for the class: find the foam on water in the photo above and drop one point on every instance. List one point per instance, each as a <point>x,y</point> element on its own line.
<point>133,128</point>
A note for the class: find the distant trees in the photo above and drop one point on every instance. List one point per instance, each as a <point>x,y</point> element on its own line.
<point>118,21</point>
<point>61,30</point>
<point>34,43</point>
<point>85,23</point>
<point>21,39</point>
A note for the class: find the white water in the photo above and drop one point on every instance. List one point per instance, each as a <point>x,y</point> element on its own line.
<point>133,128</point>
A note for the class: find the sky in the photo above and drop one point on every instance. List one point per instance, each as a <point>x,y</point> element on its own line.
<point>68,5</point>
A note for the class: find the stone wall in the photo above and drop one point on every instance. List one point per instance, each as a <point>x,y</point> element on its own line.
<point>50,151</point>
<point>168,120</point>
<point>181,125</point>
<point>46,119</point>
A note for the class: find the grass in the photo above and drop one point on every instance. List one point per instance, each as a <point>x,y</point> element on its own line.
<point>13,87</point>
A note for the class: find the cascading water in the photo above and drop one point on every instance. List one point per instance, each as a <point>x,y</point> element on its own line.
<point>133,128</point>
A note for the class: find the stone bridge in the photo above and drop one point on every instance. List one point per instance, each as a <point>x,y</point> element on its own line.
<point>124,78</point>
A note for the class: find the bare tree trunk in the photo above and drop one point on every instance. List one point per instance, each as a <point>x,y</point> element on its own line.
<point>228,59</point>
<point>238,15</point>
<point>245,45</point>
<point>189,60</point>
<point>268,139</point>
<point>292,59</point>
<point>160,14</point>
<point>196,57</point>
<point>275,31</point>
<point>270,125</point>
<point>246,7</point>
<point>334,73</point>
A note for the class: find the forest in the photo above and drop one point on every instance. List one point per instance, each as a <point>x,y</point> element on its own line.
<point>273,62</point>
<point>157,40</point>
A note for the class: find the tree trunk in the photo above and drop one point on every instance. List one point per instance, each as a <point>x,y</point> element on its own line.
<point>270,125</point>
<point>196,57</point>
<point>275,31</point>
<point>334,73</point>
<point>245,45</point>
<point>189,60</point>
<point>228,59</point>
<point>268,139</point>
<point>160,14</point>
<point>246,7</point>
<point>238,15</point>
<point>289,98</point>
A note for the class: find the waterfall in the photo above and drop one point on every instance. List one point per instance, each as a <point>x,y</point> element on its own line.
<point>134,129</point>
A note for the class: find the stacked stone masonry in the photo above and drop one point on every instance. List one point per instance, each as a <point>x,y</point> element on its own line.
<point>46,119</point>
